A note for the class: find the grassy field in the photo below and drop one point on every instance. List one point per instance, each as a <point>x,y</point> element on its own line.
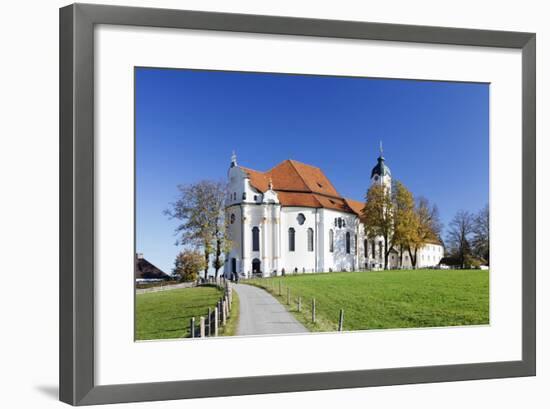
<point>386,299</point>
<point>166,314</point>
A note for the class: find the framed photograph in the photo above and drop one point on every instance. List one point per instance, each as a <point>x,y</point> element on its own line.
<point>258,204</point>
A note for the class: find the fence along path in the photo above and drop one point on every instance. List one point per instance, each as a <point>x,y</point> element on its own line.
<point>215,317</point>
<point>277,288</point>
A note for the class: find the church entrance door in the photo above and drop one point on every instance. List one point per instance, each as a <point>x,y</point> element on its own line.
<point>256,267</point>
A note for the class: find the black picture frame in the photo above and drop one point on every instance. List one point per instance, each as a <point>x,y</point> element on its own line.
<point>77,386</point>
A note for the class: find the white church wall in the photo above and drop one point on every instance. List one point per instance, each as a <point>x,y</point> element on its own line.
<point>338,260</point>
<point>300,258</point>
<point>234,234</point>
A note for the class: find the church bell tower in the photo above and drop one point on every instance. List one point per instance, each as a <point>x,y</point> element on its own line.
<point>381,174</point>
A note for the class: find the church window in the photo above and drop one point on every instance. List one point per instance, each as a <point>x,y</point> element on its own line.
<point>373,250</point>
<point>340,222</point>
<point>255,198</point>
<point>232,218</point>
<point>355,246</point>
<point>380,249</point>
<point>365,248</point>
<point>291,239</point>
<point>301,218</point>
<point>234,195</point>
<point>348,242</point>
<point>331,241</point>
<point>310,239</point>
<point>255,239</point>
<point>335,222</point>
<point>244,195</point>
<point>343,223</point>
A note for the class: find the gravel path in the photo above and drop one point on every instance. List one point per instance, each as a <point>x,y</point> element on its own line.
<point>261,313</point>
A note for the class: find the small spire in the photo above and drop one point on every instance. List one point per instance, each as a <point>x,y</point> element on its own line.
<point>233,159</point>
<point>381,149</point>
<point>270,183</point>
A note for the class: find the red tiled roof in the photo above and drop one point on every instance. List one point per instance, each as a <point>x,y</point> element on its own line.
<point>298,184</point>
<point>356,206</point>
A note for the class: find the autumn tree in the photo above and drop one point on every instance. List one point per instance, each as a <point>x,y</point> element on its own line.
<point>426,228</point>
<point>459,236</point>
<point>188,265</point>
<point>200,208</point>
<point>378,217</point>
<point>480,240</point>
<point>405,219</point>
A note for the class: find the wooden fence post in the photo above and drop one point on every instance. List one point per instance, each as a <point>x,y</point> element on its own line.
<point>216,321</point>
<point>192,327</point>
<point>341,321</point>
<point>279,288</point>
<point>224,316</point>
<point>226,300</point>
<point>209,322</point>
<point>313,310</point>
<point>288,296</point>
<point>202,328</point>
<point>299,304</point>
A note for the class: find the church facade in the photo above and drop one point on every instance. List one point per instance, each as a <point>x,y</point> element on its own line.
<point>291,219</point>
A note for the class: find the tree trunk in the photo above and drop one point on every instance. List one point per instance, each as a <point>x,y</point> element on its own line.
<point>217,263</point>
<point>386,253</point>
<point>206,260</point>
<point>413,257</point>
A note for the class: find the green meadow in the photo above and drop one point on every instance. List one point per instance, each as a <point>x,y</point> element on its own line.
<point>385,299</point>
<point>167,314</point>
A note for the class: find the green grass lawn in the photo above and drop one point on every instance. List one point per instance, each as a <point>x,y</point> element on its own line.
<point>166,314</point>
<point>387,299</point>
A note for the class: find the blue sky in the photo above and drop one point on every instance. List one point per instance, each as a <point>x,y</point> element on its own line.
<point>435,137</point>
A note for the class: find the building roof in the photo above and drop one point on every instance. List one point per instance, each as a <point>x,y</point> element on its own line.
<point>299,184</point>
<point>147,270</point>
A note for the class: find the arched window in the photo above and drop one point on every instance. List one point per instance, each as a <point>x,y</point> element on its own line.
<point>255,239</point>
<point>291,239</point>
<point>373,250</point>
<point>301,218</point>
<point>331,241</point>
<point>232,218</point>
<point>355,245</point>
<point>340,222</point>
<point>310,239</point>
<point>348,242</point>
<point>366,248</point>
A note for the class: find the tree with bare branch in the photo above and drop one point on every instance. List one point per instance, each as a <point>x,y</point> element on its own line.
<point>200,209</point>
<point>480,241</point>
<point>459,236</point>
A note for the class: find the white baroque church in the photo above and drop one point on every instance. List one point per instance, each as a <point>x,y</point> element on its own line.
<point>290,219</point>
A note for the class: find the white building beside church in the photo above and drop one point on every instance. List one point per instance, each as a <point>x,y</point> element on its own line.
<point>291,219</point>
